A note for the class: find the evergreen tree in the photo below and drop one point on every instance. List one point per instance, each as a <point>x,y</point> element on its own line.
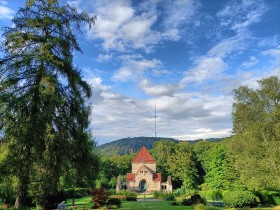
<point>44,113</point>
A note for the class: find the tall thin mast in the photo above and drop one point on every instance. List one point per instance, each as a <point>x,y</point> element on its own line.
<point>155,120</point>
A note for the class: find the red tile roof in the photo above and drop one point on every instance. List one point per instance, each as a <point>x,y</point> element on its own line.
<point>143,156</point>
<point>130,177</point>
<point>157,177</point>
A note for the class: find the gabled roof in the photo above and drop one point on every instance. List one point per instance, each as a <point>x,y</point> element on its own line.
<point>145,167</point>
<point>143,156</point>
<point>157,177</point>
<point>130,177</point>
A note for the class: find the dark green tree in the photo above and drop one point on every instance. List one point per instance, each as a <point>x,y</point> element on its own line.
<point>44,112</point>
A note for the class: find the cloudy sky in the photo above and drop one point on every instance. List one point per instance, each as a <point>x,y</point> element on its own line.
<point>185,56</point>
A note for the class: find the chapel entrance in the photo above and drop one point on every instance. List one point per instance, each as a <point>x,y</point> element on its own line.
<point>143,185</point>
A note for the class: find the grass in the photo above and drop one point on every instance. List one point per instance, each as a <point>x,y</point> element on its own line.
<point>160,205</point>
<point>84,201</point>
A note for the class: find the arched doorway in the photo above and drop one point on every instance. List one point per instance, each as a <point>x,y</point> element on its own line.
<point>143,185</point>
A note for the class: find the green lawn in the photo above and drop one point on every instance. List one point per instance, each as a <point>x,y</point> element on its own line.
<point>161,205</point>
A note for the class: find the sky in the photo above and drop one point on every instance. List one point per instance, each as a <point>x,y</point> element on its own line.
<point>184,56</point>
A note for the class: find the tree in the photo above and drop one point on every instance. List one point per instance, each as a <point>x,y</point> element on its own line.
<point>181,165</point>
<point>220,174</point>
<point>44,113</point>
<point>256,123</point>
<point>161,151</point>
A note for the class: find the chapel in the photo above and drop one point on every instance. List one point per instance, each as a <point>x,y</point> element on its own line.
<point>144,177</point>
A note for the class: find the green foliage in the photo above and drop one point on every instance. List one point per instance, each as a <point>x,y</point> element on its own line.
<point>114,201</point>
<point>200,206</point>
<point>211,195</point>
<point>269,197</point>
<point>127,193</point>
<point>181,165</point>
<point>256,145</point>
<point>44,114</point>
<point>239,199</point>
<point>174,203</point>
<point>76,192</point>
<point>164,196</point>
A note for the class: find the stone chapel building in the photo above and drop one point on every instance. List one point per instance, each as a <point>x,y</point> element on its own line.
<point>144,176</point>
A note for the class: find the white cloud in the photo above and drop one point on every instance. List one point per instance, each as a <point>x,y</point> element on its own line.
<point>238,16</point>
<point>252,61</point>
<point>134,68</point>
<point>127,27</point>
<point>207,68</point>
<point>158,90</point>
<point>104,57</point>
<point>228,46</point>
<point>3,2</point>
<point>122,27</point>
<point>204,134</point>
<point>179,115</point>
<point>6,13</point>
<point>123,74</point>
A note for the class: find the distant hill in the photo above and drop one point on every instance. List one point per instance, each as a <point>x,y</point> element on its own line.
<point>134,144</point>
<point>129,145</point>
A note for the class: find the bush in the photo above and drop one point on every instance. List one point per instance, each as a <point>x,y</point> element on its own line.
<point>121,197</point>
<point>169,197</point>
<point>158,194</point>
<point>127,193</point>
<point>174,203</point>
<point>269,197</point>
<point>211,195</point>
<point>196,199</point>
<point>200,207</point>
<point>131,198</point>
<point>186,202</point>
<point>114,201</point>
<point>239,199</point>
<point>100,197</point>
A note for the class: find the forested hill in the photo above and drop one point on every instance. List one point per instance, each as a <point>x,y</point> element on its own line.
<point>129,145</point>
<point>134,144</point>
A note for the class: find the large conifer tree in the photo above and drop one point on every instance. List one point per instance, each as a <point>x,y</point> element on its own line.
<point>44,113</point>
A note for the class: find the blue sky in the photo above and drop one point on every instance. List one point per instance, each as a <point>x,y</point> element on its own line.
<point>185,56</point>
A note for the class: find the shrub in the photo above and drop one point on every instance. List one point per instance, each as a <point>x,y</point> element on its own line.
<point>100,197</point>
<point>121,197</point>
<point>200,206</point>
<point>169,197</point>
<point>196,199</point>
<point>269,197</point>
<point>186,202</point>
<point>174,203</point>
<point>114,201</point>
<point>159,195</point>
<point>211,195</point>
<point>131,198</point>
<point>239,199</point>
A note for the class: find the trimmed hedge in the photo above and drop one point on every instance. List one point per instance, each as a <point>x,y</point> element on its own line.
<point>239,199</point>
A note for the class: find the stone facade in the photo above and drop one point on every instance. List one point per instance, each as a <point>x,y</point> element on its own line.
<point>144,176</point>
